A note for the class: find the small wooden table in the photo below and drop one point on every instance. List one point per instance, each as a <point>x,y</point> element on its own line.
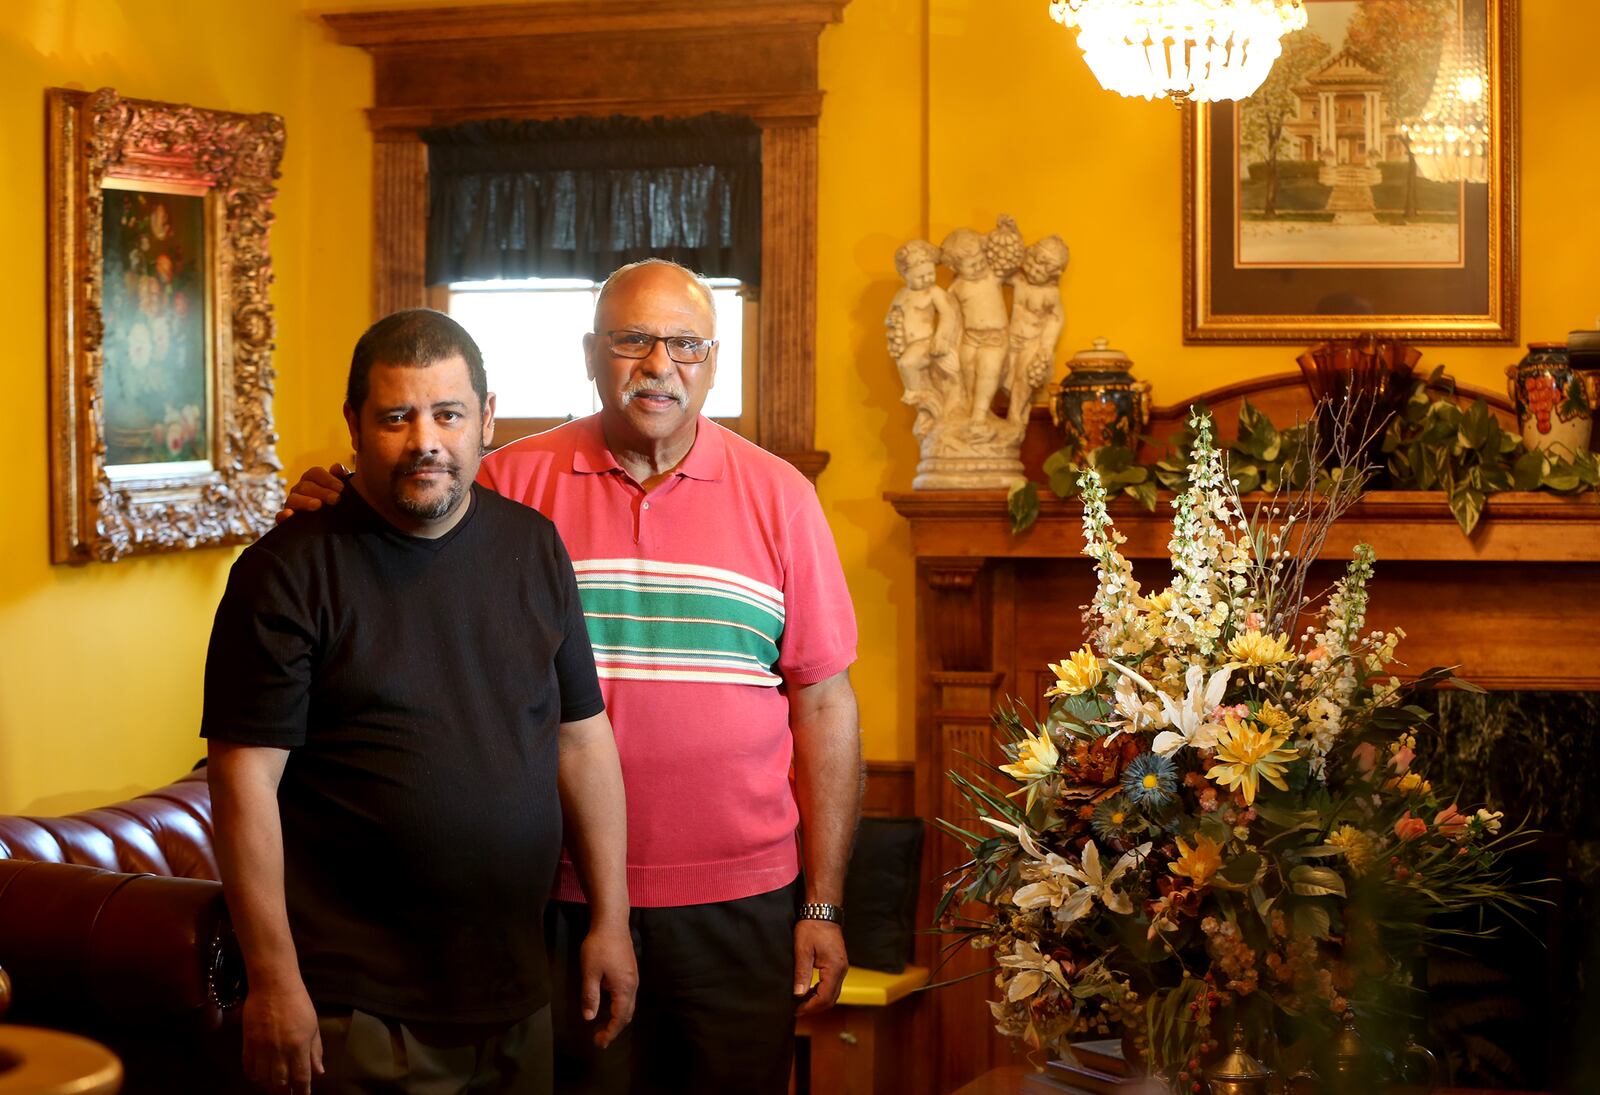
<point>35,1061</point>
<point>846,1058</point>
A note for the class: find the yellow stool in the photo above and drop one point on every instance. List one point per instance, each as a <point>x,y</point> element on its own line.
<point>856,1044</point>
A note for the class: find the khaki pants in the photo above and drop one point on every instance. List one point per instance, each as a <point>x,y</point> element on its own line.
<point>364,1054</point>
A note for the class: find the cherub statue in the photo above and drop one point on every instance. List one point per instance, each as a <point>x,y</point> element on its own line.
<point>1036,322</point>
<point>956,348</point>
<point>923,327</point>
<point>982,265</point>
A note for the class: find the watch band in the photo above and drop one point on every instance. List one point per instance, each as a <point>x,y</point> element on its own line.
<point>821,910</point>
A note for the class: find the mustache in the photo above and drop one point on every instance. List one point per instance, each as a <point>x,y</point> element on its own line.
<point>422,462</point>
<point>658,387</point>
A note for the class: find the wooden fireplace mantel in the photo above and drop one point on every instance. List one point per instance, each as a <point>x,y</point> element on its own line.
<point>1413,526</point>
<point>1515,606</point>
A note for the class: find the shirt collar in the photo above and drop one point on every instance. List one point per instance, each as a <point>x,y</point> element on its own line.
<point>706,459</point>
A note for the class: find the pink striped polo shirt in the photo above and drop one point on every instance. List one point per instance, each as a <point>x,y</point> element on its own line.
<point>704,598</point>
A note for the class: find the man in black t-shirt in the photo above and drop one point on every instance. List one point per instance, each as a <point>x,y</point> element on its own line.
<point>402,707</point>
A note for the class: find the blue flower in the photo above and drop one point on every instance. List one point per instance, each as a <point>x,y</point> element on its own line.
<point>1113,819</point>
<point>1151,781</point>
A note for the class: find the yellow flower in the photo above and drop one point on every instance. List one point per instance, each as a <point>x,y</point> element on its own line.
<point>1275,719</point>
<point>1157,603</point>
<point>1254,648</point>
<point>1076,675</point>
<point>1411,781</point>
<point>1356,845</point>
<point>1200,862</point>
<point>1037,758</point>
<point>1246,753</point>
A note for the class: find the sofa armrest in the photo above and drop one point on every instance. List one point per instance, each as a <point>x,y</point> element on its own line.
<point>86,947</point>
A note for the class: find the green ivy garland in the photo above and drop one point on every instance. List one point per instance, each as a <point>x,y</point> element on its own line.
<point>1433,444</point>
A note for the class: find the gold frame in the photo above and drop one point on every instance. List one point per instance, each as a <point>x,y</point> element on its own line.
<point>1497,325</point>
<point>99,139</point>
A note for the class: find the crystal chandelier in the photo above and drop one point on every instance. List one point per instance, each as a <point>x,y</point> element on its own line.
<point>1451,137</point>
<point>1183,50</point>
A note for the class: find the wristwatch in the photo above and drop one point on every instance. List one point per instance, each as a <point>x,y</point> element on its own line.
<point>821,910</point>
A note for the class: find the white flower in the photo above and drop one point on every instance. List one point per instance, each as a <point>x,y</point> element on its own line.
<point>1190,719</point>
<point>1098,884</point>
<point>1056,888</point>
<point>1137,714</point>
<point>1032,969</point>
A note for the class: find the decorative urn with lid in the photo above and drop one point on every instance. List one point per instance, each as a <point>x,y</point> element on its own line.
<point>1099,402</point>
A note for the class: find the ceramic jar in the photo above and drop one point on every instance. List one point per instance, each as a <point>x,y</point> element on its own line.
<point>1099,403</point>
<point>1554,409</point>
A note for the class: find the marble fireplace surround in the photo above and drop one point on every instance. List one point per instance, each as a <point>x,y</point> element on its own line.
<point>1516,606</point>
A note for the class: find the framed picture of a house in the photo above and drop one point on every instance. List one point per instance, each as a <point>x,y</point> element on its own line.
<point>1368,186</point>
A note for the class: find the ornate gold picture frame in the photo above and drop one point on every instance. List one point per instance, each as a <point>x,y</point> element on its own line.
<point>160,340</point>
<point>1369,186</point>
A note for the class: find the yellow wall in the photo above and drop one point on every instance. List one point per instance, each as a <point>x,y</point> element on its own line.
<point>1014,123</point>
<point>101,665</point>
<point>939,113</point>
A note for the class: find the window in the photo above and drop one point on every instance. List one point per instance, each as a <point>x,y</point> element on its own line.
<point>531,334</point>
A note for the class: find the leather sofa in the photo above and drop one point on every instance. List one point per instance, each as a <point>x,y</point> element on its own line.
<point>112,925</point>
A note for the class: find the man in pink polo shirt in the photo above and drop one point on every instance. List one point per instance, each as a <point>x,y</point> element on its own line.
<point>723,632</point>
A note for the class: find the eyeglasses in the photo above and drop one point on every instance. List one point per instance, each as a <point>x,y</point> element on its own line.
<point>684,349</point>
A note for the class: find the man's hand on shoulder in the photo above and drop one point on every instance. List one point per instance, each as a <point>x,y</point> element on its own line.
<point>282,1045</point>
<point>318,487</point>
<point>608,963</point>
<point>819,946</point>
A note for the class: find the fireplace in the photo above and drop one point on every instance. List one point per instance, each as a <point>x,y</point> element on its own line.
<point>1516,606</point>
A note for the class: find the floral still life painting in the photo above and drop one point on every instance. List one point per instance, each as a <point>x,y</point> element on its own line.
<point>155,332</point>
<point>1221,818</point>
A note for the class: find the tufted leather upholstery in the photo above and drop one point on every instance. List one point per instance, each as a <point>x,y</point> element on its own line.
<point>112,924</point>
<point>166,832</point>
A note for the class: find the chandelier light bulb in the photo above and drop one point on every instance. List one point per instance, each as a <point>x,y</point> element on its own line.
<point>1183,50</point>
<point>1450,138</point>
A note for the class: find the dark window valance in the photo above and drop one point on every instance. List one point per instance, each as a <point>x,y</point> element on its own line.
<point>578,197</point>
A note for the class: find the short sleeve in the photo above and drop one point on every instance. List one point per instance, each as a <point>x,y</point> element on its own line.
<point>575,673</point>
<point>819,628</point>
<point>258,664</point>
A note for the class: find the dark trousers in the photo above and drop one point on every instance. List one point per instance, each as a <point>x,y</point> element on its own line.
<point>364,1054</point>
<point>716,1003</point>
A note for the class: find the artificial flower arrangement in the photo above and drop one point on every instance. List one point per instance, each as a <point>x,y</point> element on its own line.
<point>1220,820</point>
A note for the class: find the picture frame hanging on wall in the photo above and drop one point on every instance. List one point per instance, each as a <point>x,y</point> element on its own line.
<point>160,325</point>
<point>1368,186</point>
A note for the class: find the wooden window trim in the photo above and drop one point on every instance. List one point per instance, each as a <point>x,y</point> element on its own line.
<point>758,58</point>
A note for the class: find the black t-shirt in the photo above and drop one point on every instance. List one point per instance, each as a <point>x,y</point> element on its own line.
<point>419,685</point>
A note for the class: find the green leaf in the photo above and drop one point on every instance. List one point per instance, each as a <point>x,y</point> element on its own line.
<point>1475,425</point>
<point>1111,458</point>
<point>1022,502</point>
<point>1213,828</point>
<point>1494,478</point>
<point>1562,477</point>
<point>1060,459</point>
<point>1289,820</point>
<point>1308,881</point>
<point>1144,493</point>
<point>1466,503</point>
<point>1262,903</point>
<point>1257,435</point>
<point>1312,920</point>
<point>1528,471</point>
<point>1241,869</point>
<point>1248,475</point>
